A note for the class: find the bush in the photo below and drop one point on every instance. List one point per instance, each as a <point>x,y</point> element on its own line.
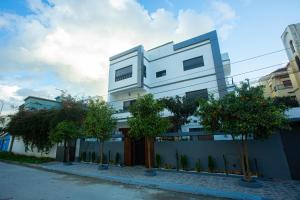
<point>105,161</point>
<point>198,165</point>
<point>184,162</point>
<point>211,164</point>
<point>158,160</point>
<point>117,158</point>
<point>83,156</point>
<point>93,157</point>
<point>24,158</point>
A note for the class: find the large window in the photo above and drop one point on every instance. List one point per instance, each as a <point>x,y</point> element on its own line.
<point>292,46</point>
<point>123,73</point>
<point>145,71</point>
<point>287,83</point>
<point>197,94</point>
<point>193,63</point>
<point>161,73</point>
<point>298,62</point>
<point>126,104</point>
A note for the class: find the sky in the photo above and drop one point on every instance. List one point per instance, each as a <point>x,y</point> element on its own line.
<point>52,45</point>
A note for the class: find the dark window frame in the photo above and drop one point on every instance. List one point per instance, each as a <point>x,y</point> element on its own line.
<point>124,76</point>
<point>129,102</point>
<point>193,63</point>
<point>193,94</point>
<point>161,73</point>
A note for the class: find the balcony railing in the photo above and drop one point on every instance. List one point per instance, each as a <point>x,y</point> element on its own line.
<point>282,87</point>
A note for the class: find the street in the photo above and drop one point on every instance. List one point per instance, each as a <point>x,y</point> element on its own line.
<point>18,182</point>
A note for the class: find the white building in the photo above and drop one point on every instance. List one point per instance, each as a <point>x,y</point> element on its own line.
<point>192,67</point>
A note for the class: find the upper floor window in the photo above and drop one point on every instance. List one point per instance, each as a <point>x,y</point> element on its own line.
<point>161,73</point>
<point>123,73</point>
<point>126,104</point>
<point>197,94</point>
<point>292,46</point>
<point>145,71</point>
<point>287,83</point>
<point>298,62</point>
<point>193,63</point>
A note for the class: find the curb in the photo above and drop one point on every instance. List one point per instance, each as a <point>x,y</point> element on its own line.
<point>150,184</point>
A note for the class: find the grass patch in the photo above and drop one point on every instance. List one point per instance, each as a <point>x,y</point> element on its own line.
<point>23,158</point>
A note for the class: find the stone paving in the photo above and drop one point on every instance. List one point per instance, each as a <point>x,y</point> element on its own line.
<point>187,182</point>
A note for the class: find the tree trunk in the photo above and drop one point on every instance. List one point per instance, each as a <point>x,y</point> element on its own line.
<point>149,152</point>
<point>101,151</point>
<point>65,151</point>
<point>11,143</point>
<point>245,161</point>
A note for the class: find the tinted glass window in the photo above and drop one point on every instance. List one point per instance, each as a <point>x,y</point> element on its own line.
<point>123,73</point>
<point>197,94</point>
<point>161,73</point>
<point>126,104</point>
<point>193,63</point>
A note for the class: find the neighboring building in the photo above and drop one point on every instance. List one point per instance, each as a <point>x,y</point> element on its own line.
<point>4,135</point>
<point>291,42</point>
<point>31,104</point>
<point>37,103</point>
<point>193,67</point>
<point>278,84</point>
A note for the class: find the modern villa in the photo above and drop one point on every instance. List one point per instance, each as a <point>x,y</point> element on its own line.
<point>194,68</point>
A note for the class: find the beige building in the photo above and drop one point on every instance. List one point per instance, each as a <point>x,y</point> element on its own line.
<point>278,84</point>
<point>291,42</point>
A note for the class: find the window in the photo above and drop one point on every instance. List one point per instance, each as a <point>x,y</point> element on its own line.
<point>298,62</point>
<point>292,46</point>
<point>145,71</point>
<point>193,63</point>
<point>195,129</point>
<point>126,104</point>
<point>161,73</point>
<point>197,94</point>
<point>123,73</point>
<point>287,83</point>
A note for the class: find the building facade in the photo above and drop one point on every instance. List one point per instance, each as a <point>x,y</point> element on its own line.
<point>278,84</point>
<point>194,67</point>
<point>291,42</point>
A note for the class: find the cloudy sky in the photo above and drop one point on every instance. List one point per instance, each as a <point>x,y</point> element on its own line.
<point>47,45</point>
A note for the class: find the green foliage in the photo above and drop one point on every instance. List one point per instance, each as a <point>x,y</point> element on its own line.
<point>93,157</point>
<point>184,162</point>
<point>23,158</point>
<point>181,107</point>
<point>158,160</point>
<point>64,131</point>
<point>287,101</point>
<point>35,126</point>
<point>243,112</point>
<point>146,120</point>
<point>117,158</point>
<point>83,156</point>
<point>99,122</point>
<point>198,165</point>
<point>211,164</point>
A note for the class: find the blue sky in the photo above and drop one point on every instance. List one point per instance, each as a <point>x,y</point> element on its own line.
<point>62,44</point>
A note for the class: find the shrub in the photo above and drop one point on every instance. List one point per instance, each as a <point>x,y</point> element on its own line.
<point>83,156</point>
<point>105,161</point>
<point>177,160</point>
<point>93,157</point>
<point>158,160</point>
<point>211,164</point>
<point>167,166</point>
<point>184,162</point>
<point>198,165</point>
<point>117,158</point>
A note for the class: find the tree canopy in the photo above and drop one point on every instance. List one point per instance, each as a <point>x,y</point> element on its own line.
<point>181,107</point>
<point>146,120</point>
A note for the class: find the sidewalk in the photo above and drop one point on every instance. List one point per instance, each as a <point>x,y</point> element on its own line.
<point>184,182</point>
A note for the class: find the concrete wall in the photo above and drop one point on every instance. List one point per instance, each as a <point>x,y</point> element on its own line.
<point>271,159</point>
<point>113,147</point>
<point>19,148</point>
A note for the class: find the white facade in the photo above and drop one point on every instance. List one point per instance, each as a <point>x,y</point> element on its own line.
<point>194,65</point>
<point>291,41</point>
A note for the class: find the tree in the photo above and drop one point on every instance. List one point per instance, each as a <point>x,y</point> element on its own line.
<point>242,114</point>
<point>146,121</point>
<point>65,131</point>
<point>287,101</point>
<point>99,122</point>
<point>181,108</point>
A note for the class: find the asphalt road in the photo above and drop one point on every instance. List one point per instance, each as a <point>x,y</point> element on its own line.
<point>18,182</point>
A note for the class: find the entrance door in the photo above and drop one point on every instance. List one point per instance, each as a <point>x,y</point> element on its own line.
<point>139,151</point>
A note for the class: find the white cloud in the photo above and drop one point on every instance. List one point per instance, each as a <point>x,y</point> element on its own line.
<point>75,39</point>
